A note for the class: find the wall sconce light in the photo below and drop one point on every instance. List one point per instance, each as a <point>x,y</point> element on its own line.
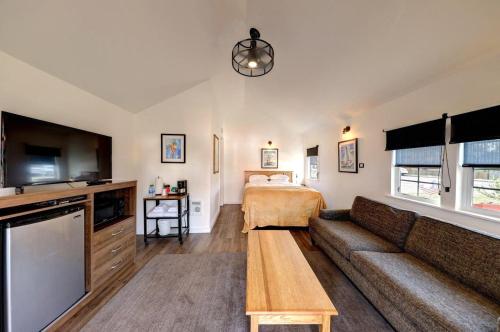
<point>269,143</point>
<point>346,130</point>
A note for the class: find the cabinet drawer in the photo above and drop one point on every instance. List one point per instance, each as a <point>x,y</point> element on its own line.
<point>114,249</point>
<point>106,270</point>
<point>113,233</point>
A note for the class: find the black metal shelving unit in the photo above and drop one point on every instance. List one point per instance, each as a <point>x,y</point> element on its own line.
<point>182,217</point>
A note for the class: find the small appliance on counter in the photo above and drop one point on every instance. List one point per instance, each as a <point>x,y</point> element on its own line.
<point>182,186</point>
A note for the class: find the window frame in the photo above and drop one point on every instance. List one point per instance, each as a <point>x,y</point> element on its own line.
<point>466,200</point>
<point>397,184</point>
<point>308,162</point>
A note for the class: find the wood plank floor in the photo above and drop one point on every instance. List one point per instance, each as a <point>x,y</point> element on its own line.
<point>226,236</point>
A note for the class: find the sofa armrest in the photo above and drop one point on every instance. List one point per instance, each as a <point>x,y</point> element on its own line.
<point>335,214</point>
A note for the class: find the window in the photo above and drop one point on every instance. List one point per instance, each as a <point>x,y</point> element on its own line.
<point>481,174</point>
<point>420,182</point>
<point>312,163</point>
<point>418,173</point>
<point>486,189</point>
<point>313,167</point>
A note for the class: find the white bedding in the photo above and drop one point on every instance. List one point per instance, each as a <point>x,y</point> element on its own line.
<point>273,184</point>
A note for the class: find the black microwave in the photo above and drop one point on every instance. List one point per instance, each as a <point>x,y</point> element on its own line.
<point>109,206</point>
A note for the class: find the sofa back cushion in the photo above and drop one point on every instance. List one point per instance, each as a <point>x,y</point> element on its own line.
<point>470,257</point>
<point>387,222</point>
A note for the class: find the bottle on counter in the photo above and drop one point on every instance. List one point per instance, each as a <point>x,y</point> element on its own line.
<point>158,185</point>
<point>151,190</point>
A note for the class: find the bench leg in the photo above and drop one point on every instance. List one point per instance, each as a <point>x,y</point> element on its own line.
<point>254,323</point>
<point>325,326</point>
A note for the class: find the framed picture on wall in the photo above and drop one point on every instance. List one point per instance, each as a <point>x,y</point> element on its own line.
<point>348,156</point>
<point>268,158</point>
<point>216,155</point>
<point>173,148</point>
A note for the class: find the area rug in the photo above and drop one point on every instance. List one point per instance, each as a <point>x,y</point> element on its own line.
<point>182,292</point>
<point>206,292</point>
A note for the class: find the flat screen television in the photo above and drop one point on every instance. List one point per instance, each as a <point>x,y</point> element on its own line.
<point>39,152</point>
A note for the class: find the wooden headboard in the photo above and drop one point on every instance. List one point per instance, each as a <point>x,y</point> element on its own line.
<point>268,173</point>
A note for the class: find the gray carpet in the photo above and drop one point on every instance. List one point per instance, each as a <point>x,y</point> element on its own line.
<point>206,292</point>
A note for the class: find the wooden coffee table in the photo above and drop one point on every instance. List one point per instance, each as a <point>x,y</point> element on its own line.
<point>281,286</point>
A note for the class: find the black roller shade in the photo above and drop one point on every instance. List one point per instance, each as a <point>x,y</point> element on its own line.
<point>430,133</point>
<point>482,154</point>
<point>312,152</point>
<point>429,156</point>
<point>474,126</point>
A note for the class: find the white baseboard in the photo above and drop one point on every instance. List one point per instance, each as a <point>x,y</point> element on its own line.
<point>199,230</point>
<point>214,220</point>
<point>235,202</point>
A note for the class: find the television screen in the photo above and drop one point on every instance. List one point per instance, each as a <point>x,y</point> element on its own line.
<point>37,152</point>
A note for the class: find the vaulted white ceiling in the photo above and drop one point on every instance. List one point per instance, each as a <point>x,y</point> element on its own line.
<point>342,57</point>
<point>332,56</point>
<point>131,53</point>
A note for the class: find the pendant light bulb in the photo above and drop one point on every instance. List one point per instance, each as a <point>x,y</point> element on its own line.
<point>252,64</point>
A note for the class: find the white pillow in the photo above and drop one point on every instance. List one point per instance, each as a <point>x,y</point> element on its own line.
<point>279,178</point>
<point>258,178</point>
<point>278,181</point>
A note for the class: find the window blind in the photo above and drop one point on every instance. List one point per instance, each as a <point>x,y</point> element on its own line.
<point>429,156</point>
<point>312,152</point>
<point>430,133</point>
<point>479,125</point>
<point>482,154</point>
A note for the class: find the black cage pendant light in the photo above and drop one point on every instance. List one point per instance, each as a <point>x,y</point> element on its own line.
<point>253,57</point>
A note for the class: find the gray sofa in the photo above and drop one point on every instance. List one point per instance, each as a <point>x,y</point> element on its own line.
<point>420,273</point>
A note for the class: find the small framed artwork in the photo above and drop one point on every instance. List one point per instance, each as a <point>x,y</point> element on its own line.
<point>173,148</point>
<point>348,156</point>
<point>268,158</point>
<point>216,155</point>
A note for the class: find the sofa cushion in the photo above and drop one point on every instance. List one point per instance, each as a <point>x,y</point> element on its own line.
<point>431,299</point>
<point>334,214</point>
<point>472,258</point>
<point>347,237</point>
<point>390,223</point>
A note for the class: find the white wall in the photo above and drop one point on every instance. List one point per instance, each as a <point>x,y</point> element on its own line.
<point>247,128</point>
<point>189,113</point>
<point>244,136</point>
<point>215,178</point>
<point>474,86</point>
<point>28,91</point>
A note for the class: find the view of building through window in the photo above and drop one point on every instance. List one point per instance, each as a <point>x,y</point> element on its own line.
<point>486,189</point>
<point>420,182</point>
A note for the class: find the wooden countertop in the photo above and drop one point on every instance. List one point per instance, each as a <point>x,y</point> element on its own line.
<point>171,197</point>
<point>22,199</point>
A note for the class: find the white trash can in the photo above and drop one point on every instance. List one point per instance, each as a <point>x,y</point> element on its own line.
<point>164,226</point>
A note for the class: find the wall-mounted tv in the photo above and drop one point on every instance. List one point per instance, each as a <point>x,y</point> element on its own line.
<point>39,152</point>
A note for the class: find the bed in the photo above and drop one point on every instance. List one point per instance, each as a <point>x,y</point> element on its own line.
<point>278,203</point>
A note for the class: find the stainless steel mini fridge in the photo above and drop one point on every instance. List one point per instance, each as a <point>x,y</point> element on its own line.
<point>44,267</point>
